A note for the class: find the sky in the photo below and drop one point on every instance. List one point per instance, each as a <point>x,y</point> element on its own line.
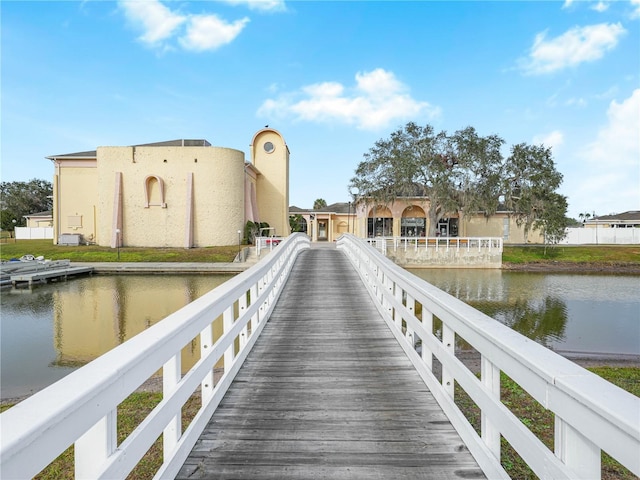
<point>333,77</point>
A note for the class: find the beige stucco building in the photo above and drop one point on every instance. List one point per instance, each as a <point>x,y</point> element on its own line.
<point>180,193</point>
<point>405,217</point>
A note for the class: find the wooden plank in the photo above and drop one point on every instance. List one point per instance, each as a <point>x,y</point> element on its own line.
<point>328,393</point>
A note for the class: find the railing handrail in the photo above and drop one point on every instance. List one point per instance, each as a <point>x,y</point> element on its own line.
<point>81,407</point>
<point>591,414</point>
<point>266,242</point>
<point>489,243</point>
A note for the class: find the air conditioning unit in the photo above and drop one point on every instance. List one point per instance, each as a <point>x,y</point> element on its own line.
<point>69,239</point>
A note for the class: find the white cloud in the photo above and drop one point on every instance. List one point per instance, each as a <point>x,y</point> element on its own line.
<point>160,26</point>
<point>576,46</point>
<point>619,142</point>
<point>377,99</point>
<point>208,32</point>
<point>157,21</point>
<point>552,139</point>
<point>610,174</point>
<point>636,9</point>
<point>600,7</point>
<point>567,3</point>
<point>264,5</point>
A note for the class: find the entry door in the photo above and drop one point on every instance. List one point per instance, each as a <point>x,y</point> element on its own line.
<point>322,230</point>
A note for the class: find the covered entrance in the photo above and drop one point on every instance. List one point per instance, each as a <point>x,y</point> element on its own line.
<point>447,227</point>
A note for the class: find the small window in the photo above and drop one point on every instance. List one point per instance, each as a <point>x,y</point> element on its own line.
<point>269,147</point>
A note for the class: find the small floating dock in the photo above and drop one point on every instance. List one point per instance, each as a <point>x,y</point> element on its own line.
<point>29,272</point>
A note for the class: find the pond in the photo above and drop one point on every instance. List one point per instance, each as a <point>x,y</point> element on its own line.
<point>49,331</point>
<point>573,314</point>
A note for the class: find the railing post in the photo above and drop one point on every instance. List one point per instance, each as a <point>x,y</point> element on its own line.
<point>576,451</point>
<point>171,373</point>
<point>387,292</point>
<point>448,341</point>
<point>242,308</point>
<point>490,377</point>
<point>411,306</point>
<point>397,320</point>
<point>253,297</point>
<point>261,309</point>
<point>427,322</point>
<point>94,447</point>
<point>206,342</point>
<point>227,324</point>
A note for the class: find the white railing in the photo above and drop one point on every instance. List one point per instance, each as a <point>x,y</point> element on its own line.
<point>491,244</point>
<point>267,243</point>
<point>591,414</point>
<point>81,408</point>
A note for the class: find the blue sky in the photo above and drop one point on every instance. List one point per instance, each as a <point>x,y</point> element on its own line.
<point>333,77</point>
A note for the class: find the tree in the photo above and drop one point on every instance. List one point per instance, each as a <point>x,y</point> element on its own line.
<point>296,223</point>
<point>461,173</point>
<point>18,199</point>
<point>584,217</point>
<point>552,221</point>
<point>457,173</point>
<point>319,204</point>
<point>530,182</point>
<point>480,171</point>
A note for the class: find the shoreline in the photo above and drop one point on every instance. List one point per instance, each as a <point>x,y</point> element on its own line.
<point>572,267</point>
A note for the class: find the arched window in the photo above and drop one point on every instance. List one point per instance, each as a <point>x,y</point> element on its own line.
<point>413,222</point>
<point>154,192</point>
<point>380,222</point>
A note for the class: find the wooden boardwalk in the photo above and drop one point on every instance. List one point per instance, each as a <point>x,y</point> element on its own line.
<point>328,393</point>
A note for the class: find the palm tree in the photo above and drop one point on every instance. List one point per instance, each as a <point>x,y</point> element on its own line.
<point>319,204</point>
<point>584,216</point>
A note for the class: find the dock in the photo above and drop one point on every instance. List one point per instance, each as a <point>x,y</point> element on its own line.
<point>30,272</point>
<point>327,392</point>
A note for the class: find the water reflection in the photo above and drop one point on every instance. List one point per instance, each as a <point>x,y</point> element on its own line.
<point>543,320</point>
<point>49,331</point>
<point>565,312</point>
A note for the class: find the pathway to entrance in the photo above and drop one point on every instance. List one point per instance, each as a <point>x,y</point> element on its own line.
<point>327,392</point>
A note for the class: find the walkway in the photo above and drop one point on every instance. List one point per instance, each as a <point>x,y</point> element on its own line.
<point>328,393</point>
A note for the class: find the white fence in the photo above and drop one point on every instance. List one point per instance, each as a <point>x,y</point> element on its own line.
<point>590,413</point>
<point>441,252</point>
<point>33,233</point>
<point>602,236</point>
<point>491,244</point>
<point>81,408</point>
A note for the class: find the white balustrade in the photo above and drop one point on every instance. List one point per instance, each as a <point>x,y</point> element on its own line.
<point>491,244</point>
<point>591,414</point>
<point>81,408</point>
<point>266,243</point>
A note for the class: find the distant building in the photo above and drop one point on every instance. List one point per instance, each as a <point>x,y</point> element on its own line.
<point>178,193</point>
<point>405,217</point>
<point>328,223</point>
<point>630,219</point>
<point>40,219</point>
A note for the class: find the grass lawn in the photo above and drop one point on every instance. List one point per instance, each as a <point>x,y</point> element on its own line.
<point>10,248</point>
<point>586,254</point>
<point>541,421</point>
<point>92,253</point>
